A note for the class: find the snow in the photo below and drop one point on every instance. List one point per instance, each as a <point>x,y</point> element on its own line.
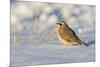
<point>30,54</point>
<point>33,37</point>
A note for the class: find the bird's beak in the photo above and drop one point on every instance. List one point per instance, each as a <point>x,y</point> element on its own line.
<point>58,23</point>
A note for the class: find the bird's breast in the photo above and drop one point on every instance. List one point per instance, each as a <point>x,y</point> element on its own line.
<point>59,36</point>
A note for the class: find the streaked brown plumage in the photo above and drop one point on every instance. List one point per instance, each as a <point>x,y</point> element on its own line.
<point>67,35</point>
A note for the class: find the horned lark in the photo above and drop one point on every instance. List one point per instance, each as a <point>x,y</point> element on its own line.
<point>66,35</point>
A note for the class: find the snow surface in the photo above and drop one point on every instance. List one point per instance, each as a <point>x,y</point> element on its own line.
<point>29,54</point>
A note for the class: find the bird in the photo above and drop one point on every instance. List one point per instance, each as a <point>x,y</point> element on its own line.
<point>66,35</point>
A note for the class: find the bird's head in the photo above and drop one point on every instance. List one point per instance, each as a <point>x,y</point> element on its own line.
<point>62,24</point>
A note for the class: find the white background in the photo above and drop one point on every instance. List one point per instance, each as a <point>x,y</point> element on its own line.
<point>5,33</point>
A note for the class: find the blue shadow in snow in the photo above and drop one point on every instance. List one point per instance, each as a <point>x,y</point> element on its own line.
<point>91,42</point>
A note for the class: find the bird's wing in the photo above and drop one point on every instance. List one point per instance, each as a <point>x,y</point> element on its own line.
<point>67,35</point>
<point>74,34</point>
<point>76,38</point>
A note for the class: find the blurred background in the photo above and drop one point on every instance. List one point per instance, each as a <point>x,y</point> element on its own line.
<point>35,22</point>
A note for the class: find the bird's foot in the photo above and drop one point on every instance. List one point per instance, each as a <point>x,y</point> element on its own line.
<point>68,45</point>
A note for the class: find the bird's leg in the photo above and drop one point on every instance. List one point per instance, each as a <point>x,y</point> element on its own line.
<point>67,45</point>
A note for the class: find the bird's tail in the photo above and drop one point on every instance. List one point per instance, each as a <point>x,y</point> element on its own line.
<point>81,42</point>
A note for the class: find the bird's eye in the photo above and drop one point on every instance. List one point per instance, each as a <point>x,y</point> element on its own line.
<point>60,24</point>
